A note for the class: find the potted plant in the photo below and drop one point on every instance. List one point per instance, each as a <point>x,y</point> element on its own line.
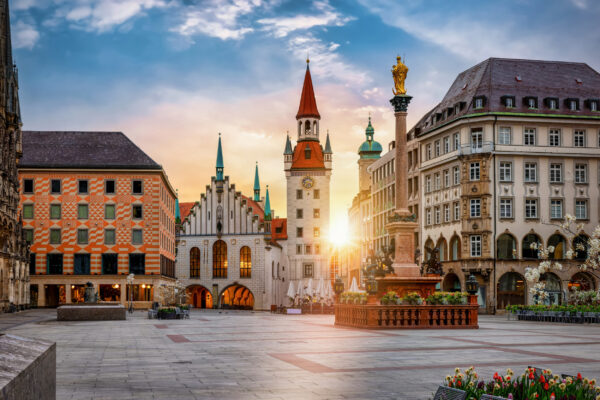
<point>412,298</point>
<point>167,313</point>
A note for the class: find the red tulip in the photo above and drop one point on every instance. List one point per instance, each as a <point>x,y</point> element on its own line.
<point>546,386</point>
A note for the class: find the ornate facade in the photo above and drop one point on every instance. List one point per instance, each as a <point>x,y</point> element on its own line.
<point>14,253</point>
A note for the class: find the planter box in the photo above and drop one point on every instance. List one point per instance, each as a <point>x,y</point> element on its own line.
<point>164,315</point>
<point>373,316</point>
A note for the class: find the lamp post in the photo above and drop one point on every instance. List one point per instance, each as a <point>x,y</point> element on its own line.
<point>472,287</point>
<point>338,287</point>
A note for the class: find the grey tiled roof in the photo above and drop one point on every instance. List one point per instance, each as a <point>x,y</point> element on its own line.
<point>109,150</point>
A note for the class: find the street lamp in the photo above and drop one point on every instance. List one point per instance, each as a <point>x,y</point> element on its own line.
<point>472,285</point>
<point>371,285</point>
<point>338,286</point>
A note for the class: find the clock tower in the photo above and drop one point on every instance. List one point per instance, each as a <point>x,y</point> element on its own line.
<point>308,173</point>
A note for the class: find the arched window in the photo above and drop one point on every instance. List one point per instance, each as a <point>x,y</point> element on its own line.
<point>220,259</point>
<point>428,249</point>
<point>195,262</point>
<point>307,128</point>
<point>245,262</point>
<point>526,249</point>
<point>582,281</point>
<point>560,246</point>
<point>506,247</point>
<point>278,270</point>
<point>511,290</point>
<point>443,247</point>
<point>451,283</point>
<point>580,246</point>
<point>455,248</point>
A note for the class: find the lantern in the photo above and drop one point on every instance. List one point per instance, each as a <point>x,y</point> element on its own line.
<point>371,285</point>
<point>338,286</point>
<point>472,285</point>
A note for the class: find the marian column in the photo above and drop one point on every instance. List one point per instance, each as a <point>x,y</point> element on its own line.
<point>402,223</point>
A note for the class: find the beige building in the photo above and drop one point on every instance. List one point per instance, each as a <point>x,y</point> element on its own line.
<point>510,150</point>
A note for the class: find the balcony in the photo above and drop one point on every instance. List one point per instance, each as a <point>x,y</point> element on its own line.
<point>476,148</point>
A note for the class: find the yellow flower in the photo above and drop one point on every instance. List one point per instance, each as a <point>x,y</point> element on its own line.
<point>593,382</point>
<point>586,381</point>
<point>562,386</point>
<point>551,382</point>
<point>509,372</point>
<point>448,378</point>
<point>597,389</point>
<point>456,370</point>
<point>598,397</point>
<point>471,384</point>
<point>461,375</point>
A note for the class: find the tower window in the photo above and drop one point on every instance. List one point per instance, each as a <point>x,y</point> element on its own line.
<point>317,194</point>
<point>307,128</point>
<point>307,152</point>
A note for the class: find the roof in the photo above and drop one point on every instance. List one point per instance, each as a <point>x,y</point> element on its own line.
<point>370,149</point>
<point>308,104</point>
<point>299,160</point>
<point>256,208</point>
<point>85,150</point>
<point>495,78</point>
<point>327,145</point>
<point>185,209</point>
<point>288,146</point>
<point>279,224</point>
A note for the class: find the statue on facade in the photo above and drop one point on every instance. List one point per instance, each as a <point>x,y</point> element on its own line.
<point>433,264</point>
<point>399,72</point>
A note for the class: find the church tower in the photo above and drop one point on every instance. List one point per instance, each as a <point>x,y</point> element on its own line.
<point>308,173</point>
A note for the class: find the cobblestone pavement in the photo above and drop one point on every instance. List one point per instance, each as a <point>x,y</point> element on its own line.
<point>245,355</point>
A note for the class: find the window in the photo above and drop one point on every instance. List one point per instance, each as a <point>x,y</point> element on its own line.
<point>428,152</point>
<point>245,262</point>
<point>27,186</point>
<point>27,211</point>
<point>81,264</point>
<point>299,213</point>
<point>594,105</point>
<point>579,138</point>
<point>109,211</point>
<point>110,264</point>
<point>109,236</point>
<point>317,194</point>
<point>137,236</point>
<point>298,249</point>
<point>504,135</point>
<point>316,213</point>
<point>317,249</point>
<point>456,211</point>
<point>32,262</point>
<point>299,194</point>
<point>316,232</point>
<point>531,102</point>
<point>55,236</point>
<point>531,208</point>
<point>456,137</point>
<point>428,216</point>
<point>556,209</point>
<point>428,184</point>
<point>307,249</point>
<point>220,259</point>
<point>478,102</point>
<point>28,235</point>
<point>580,173</point>
<point>307,152</point>
<point>581,209</point>
<point>82,186</point>
<point>299,232</point>
<point>437,181</point>
<point>55,186</point>
<point>474,173</point>
<point>475,208</point>
<point>528,240</point>
<point>476,139</point>
<point>573,105</point>
<point>82,211</point>
<point>509,102</point>
<point>505,171</point>
<point>529,137</point>
<point>82,236</point>
<point>54,264</point>
<point>438,148</point>
<point>54,211</point>
<point>530,172</point>
<point>555,173</point>
<point>137,263</point>
<point>446,212</point>
<point>446,178</point>
<point>552,104</point>
<point>137,186</point>
<point>506,208</point>
<point>136,211</point>
<point>109,186</point>
<point>447,144</point>
<point>308,270</point>
<point>437,215</point>
<point>456,173</point>
<point>554,137</point>
<point>475,245</point>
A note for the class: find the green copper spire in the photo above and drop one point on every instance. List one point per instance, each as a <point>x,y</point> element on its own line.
<point>256,184</point>
<point>267,206</point>
<point>220,165</point>
<point>327,145</point>
<point>288,146</point>
<point>370,148</point>
<point>177,212</point>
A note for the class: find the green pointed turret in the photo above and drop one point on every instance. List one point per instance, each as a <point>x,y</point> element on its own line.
<point>288,146</point>
<point>220,164</point>
<point>267,206</point>
<point>370,148</point>
<point>177,212</point>
<point>328,145</point>
<point>256,184</point>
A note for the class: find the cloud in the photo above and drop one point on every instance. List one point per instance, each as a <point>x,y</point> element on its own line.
<point>25,35</point>
<point>220,19</point>
<point>282,27</point>
<point>22,4</point>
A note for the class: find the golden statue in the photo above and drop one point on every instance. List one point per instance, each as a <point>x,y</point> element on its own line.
<point>399,72</point>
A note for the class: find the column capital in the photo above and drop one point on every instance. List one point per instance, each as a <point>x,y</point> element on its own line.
<point>400,103</point>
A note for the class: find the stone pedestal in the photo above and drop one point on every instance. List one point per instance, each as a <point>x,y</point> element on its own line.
<point>402,230</point>
<point>91,312</point>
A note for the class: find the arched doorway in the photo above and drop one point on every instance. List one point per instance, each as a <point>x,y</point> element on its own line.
<point>582,281</point>
<point>199,297</point>
<point>553,288</point>
<point>237,297</point>
<point>511,290</point>
<point>451,283</point>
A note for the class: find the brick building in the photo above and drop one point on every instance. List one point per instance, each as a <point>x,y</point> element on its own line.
<point>95,208</point>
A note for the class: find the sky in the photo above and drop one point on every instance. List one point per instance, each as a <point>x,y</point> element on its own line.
<point>172,74</point>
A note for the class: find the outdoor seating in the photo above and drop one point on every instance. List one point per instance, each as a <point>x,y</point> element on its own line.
<point>448,393</point>
<point>186,313</point>
<point>490,397</point>
<point>178,313</point>
<point>152,314</point>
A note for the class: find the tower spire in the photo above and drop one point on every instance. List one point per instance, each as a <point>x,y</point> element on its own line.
<point>327,145</point>
<point>220,165</point>
<point>267,206</point>
<point>177,211</point>
<point>7,60</point>
<point>308,103</point>
<point>256,184</point>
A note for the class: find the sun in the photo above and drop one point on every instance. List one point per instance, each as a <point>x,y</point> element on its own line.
<point>338,233</point>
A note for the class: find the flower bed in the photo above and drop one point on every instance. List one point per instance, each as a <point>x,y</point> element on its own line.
<point>532,384</point>
<point>540,308</point>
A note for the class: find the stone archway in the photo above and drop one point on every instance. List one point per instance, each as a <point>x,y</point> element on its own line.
<point>237,297</point>
<point>511,290</point>
<point>199,296</point>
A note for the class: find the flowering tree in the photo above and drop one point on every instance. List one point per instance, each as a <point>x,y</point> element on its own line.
<point>591,262</point>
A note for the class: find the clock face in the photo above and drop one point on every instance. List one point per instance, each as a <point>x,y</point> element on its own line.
<point>307,182</point>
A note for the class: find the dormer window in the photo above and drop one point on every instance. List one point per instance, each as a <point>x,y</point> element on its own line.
<point>531,102</point>
<point>307,153</point>
<point>450,111</point>
<point>594,105</point>
<point>551,103</point>
<point>478,102</point>
<point>508,101</point>
<point>573,104</point>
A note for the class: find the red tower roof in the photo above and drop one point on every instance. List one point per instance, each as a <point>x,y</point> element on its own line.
<point>308,104</point>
